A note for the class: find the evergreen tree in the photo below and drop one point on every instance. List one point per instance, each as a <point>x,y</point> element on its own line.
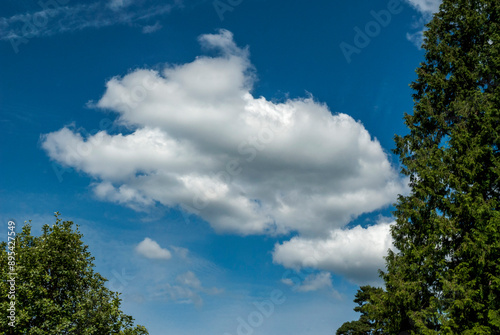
<point>367,324</point>
<point>444,277</point>
<point>56,288</point>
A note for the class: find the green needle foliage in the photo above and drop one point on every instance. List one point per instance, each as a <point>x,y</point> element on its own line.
<point>365,325</point>
<point>444,276</point>
<point>56,288</point>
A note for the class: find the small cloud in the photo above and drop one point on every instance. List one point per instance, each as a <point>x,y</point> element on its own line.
<point>188,290</point>
<point>152,28</point>
<point>118,4</point>
<point>316,282</point>
<point>189,279</point>
<point>321,281</point>
<point>426,8</point>
<point>150,249</point>
<point>179,294</point>
<point>416,38</point>
<point>181,252</point>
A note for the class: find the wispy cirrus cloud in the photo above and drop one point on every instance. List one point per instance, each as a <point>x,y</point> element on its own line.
<point>151,28</point>
<point>56,17</point>
<point>187,289</point>
<point>118,4</point>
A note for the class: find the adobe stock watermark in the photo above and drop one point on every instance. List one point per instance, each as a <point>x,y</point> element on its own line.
<point>222,6</point>
<point>34,23</point>
<point>11,273</point>
<point>120,283</point>
<point>120,280</point>
<point>95,137</point>
<point>372,29</point>
<point>263,310</point>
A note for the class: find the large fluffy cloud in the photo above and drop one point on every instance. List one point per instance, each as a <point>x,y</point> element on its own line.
<point>200,141</point>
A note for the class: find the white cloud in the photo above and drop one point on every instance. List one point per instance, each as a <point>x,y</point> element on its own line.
<point>315,282</point>
<point>181,252</point>
<point>118,4</point>
<point>321,281</point>
<point>151,28</point>
<point>355,253</point>
<point>189,279</point>
<point>416,38</point>
<point>426,9</point>
<point>188,290</point>
<point>52,18</point>
<point>151,249</point>
<point>246,165</point>
<point>201,141</point>
<point>179,294</point>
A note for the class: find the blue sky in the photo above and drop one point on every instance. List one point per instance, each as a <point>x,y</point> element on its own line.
<point>229,162</point>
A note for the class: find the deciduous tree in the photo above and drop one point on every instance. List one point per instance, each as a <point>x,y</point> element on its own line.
<point>57,290</point>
